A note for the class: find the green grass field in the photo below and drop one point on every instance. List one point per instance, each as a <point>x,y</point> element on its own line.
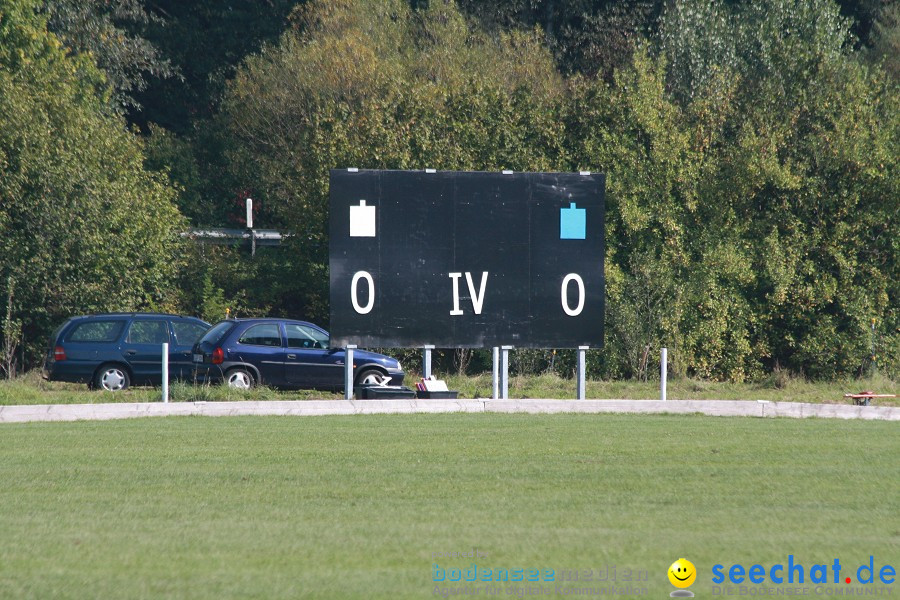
<point>354,507</point>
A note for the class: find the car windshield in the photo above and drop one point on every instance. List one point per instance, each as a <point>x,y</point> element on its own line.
<point>214,335</point>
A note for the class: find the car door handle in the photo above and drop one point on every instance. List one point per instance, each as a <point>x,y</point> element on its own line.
<point>292,356</point>
<point>186,353</point>
<point>131,352</point>
<point>338,362</point>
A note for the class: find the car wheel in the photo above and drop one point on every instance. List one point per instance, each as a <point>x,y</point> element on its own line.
<point>240,379</point>
<point>112,378</point>
<point>369,377</point>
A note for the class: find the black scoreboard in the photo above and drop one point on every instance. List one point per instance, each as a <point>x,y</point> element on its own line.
<point>466,259</point>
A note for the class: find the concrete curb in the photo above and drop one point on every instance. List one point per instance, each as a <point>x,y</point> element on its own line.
<point>724,408</point>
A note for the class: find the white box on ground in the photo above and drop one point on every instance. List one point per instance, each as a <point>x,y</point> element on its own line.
<point>435,385</point>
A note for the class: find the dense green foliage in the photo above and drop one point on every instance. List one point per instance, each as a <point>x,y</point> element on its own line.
<point>204,40</point>
<point>751,197</point>
<point>751,150</point>
<point>380,87</point>
<point>82,226</point>
<point>109,33</point>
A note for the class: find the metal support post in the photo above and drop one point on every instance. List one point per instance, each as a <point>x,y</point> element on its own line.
<point>165,372</point>
<point>581,373</point>
<point>495,372</point>
<point>663,374</point>
<point>249,203</point>
<point>426,360</point>
<point>504,371</point>
<point>348,371</point>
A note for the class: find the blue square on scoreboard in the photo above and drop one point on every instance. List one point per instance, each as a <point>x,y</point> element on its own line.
<point>572,223</point>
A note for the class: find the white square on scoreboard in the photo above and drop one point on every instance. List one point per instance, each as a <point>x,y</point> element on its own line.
<point>362,220</point>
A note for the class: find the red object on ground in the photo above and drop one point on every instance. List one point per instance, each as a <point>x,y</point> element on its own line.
<point>863,398</point>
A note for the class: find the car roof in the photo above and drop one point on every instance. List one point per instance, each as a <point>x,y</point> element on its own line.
<point>136,314</point>
<point>268,320</point>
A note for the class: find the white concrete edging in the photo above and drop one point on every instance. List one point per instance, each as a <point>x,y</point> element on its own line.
<point>731,408</point>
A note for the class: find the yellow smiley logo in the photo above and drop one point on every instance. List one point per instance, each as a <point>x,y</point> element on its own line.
<point>682,573</point>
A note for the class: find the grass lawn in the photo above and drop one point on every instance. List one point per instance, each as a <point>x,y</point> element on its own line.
<point>31,389</point>
<point>774,388</point>
<point>354,507</point>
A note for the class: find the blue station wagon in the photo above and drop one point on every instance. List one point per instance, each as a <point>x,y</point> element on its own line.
<point>283,353</point>
<point>113,351</point>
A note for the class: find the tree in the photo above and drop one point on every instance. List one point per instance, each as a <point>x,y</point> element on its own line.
<point>379,85</point>
<point>110,33</point>
<point>886,41</point>
<point>205,40</point>
<point>749,154</point>
<point>798,185</point>
<point>750,191</point>
<point>83,227</point>
<point>592,38</point>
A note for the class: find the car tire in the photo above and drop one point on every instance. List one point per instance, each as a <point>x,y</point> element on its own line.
<point>111,377</point>
<point>369,377</point>
<point>240,379</point>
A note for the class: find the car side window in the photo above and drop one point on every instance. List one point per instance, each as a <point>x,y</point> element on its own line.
<point>265,334</point>
<point>186,333</point>
<point>145,331</point>
<point>301,336</point>
<point>96,331</point>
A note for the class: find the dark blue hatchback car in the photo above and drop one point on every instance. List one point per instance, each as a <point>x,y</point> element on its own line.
<point>113,351</point>
<point>283,353</point>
